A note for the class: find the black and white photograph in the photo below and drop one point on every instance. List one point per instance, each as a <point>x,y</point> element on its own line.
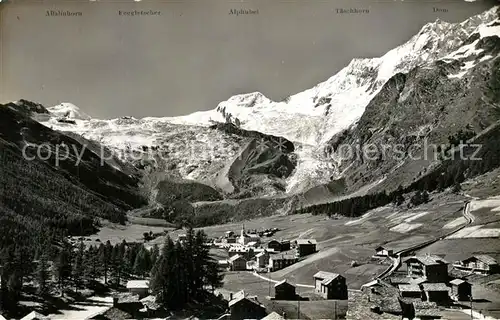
<point>249,159</point>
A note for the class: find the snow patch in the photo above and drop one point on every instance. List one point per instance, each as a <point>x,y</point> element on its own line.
<point>476,232</point>
<point>68,111</point>
<point>416,216</point>
<point>406,227</point>
<point>455,223</point>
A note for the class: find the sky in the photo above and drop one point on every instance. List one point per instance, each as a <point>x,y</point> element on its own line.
<point>194,54</point>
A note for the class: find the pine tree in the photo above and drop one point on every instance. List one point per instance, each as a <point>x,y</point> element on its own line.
<point>42,275</point>
<point>155,254</point>
<point>78,269</point>
<point>142,264</point>
<point>214,276</point>
<point>63,267</point>
<point>162,277</point>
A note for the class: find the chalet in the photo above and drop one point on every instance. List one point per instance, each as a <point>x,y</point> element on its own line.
<point>182,237</point>
<point>244,307</point>
<point>415,309</point>
<point>281,261</point>
<point>151,306</point>
<point>383,252</point>
<point>330,285</point>
<point>279,246</point>
<point>284,290</point>
<point>481,264</point>
<point>139,287</point>
<point>262,259</point>
<point>228,234</point>
<point>432,268</point>
<point>128,302</point>
<point>305,247</point>
<point>435,292</point>
<point>410,291</point>
<point>237,263</point>
<point>33,315</point>
<point>461,290</point>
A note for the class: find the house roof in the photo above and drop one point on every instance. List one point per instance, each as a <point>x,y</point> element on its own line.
<point>235,257</point>
<point>283,257</point>
<point>246,298</point>
<point>409,288</point>
<point>379,248</point>
<point>239,294</point>
<point>273,316</point>
<point>485,258</point>
<point>400,280</point>
<point>138,284</point>
<point>306,241</point>
<point>2,317</point>
<point>283,282</point>
<point>434,287</point>
<point>457,282</point>
<point>33,315</point>
<point>428,260</point>
<point>127,298</point>
<point>262,253</point>
<point>325,275</point>
<point>150,303</point>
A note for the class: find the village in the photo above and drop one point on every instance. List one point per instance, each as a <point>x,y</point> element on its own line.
<point>287,272</point>
<point>420,287</point>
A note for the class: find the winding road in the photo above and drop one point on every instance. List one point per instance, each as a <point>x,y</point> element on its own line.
<point>396,259</point>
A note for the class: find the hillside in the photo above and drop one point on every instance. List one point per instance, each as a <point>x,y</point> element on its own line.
<point>67,192</point>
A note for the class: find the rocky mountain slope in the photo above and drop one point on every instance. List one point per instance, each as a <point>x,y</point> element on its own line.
<point>420,114</point>
<point>310,119</point>
<point>46,189</point>
<point>250,153</point>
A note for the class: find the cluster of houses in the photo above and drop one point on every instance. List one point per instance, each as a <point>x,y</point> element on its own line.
<point>248,253</point>
<point>427,283</point>
<point>330,286</point>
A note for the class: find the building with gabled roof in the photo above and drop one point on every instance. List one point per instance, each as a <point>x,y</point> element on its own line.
<point>284,290</point>
<point>435,292</point>
<point>305,247</point>
<point>432,268</point>
<point>461,290</point>
<point>281,261</point>
<point>330,285</point>
<point>262,259</point>
<point>481,264</point>
<point>237,263</point>
<point>244,307</point>
<point>382,252</point>
<point>278,246</point>
<point>410,291</point>
<point>139,287</point>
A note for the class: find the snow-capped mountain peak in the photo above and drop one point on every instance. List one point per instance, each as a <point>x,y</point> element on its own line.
<point>313,116</point>
<point>68,110</point>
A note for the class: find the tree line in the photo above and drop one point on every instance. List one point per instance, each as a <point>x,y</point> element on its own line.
<point>184,272</point>
<point>54,268</point>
